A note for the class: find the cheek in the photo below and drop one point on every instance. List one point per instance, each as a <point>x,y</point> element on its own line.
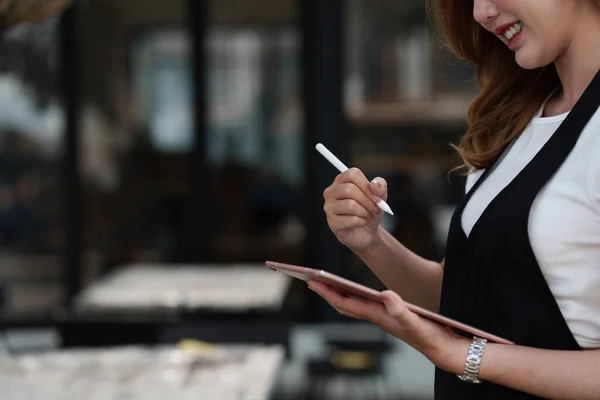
<point>543,44</point>
<point>506,4</point>
<point>536,53</point>
<point>553,41</point>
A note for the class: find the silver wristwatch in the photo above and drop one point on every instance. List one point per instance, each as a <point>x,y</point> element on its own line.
<point>471,372</point>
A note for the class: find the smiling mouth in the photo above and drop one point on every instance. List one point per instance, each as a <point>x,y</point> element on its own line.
<point>511,31</point>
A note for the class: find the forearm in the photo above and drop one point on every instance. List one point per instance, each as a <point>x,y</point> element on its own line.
<point>416,279</point>
<point>549,374</point>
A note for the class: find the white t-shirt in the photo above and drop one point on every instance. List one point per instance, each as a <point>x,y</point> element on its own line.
<point>564,223</point>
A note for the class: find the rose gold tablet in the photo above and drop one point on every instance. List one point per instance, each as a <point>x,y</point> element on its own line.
<point>357,290</point>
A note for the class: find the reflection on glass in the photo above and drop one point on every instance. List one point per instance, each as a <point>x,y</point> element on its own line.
<point>163,89</point>
<point>31,126</point>
<point>394,57</point>
<point>406,99</point>
<point>253,110</point>
<point>254,142</point>
<point>139,124</point>
<point>136,131</point>
<point>252,77</point>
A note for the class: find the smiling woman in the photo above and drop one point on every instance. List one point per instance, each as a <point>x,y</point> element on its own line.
<point>523,245</point>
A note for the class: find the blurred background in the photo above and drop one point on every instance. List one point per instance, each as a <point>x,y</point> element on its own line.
<point>154,154</point>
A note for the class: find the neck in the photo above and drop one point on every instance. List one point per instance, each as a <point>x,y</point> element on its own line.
<point>580,62</point>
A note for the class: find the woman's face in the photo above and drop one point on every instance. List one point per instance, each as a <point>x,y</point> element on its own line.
<point>538,31</point>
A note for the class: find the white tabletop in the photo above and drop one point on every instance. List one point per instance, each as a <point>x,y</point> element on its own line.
<point>223,287</point>
<point>136,373</point>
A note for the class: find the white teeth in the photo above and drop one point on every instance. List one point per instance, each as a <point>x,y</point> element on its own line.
<point>513,30</point>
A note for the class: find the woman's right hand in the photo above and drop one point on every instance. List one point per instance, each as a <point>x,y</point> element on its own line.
<point>351,208</point>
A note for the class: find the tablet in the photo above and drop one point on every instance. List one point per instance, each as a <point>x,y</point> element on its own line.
<point>354,289</point>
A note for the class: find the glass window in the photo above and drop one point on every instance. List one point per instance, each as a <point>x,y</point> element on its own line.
<point>162,88</point>
<point>138,123</point>
<point>136,131</point>
<point>31,134</point>
<point>254,136</point>
<point>406,99</point>
<point>393,55</point>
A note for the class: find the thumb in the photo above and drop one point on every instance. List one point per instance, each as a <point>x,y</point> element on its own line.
<point>379,187</point>
<point>395,307</point>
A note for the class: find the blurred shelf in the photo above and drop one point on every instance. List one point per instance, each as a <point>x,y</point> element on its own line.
<point>403,164</point>
<point>238,12</point>
<point>444,110</point>
<point>229,248</point>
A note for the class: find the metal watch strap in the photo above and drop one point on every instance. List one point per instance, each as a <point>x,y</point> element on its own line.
<point>471,372</point>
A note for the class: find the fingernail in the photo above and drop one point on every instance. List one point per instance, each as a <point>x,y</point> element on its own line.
<point>310,288</point>
<point>375,181</point>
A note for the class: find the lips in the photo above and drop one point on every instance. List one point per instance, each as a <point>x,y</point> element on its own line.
<point>507,31</point>
<point>513,30</point>
<point>499,31</point>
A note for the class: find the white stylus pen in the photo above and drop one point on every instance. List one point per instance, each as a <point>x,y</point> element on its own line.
<point>342,168</point>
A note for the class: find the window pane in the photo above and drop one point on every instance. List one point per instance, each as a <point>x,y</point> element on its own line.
<point>254,137</point>
<point>31,133</point>
<point>394,55</point>
<point>138,122</point>
<point>406,99</point>
<point>162,88</point>
<point>136,131</point>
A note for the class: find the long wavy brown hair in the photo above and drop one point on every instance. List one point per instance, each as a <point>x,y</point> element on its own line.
<point>510,95</point>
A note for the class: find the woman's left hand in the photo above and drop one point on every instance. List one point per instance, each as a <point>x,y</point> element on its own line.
<point>438,343</point>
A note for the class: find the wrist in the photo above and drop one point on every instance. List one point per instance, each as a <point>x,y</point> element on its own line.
<point>451,355</point>
<point>373,250</point>
<point>473,361</point>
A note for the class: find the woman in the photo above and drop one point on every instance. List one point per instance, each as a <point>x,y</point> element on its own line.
<point>523,251</point>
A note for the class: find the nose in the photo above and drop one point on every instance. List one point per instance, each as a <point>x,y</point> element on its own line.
<point>484,11</point>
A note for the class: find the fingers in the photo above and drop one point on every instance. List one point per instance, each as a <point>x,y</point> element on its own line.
<point>351,307</point>
<point>397,309</point>
<point>347,207</point>
<point>347,222</point>
<point>349,191</point>
<point>356,177</point>
<point>351,207</point>
<point>350,201</point>
<point>393,316</point>
<point>348,313</point>
<point>379,188</point>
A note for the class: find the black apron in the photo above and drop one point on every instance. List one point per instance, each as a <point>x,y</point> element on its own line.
<point>492,279</point>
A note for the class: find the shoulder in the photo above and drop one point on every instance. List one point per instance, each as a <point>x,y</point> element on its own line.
<point>588,152</point>
<point>583,164</point>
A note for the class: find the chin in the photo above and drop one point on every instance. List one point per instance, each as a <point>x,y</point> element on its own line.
<point>530,61</point>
